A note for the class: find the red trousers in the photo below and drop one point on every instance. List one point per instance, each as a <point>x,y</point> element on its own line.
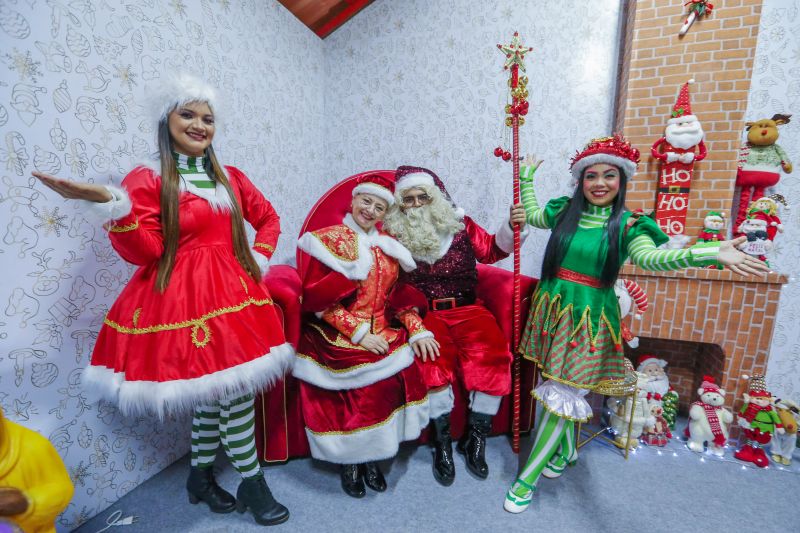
<point>472,346</point>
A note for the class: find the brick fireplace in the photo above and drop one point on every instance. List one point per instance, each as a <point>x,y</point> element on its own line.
<point>705,321</point>
<point>701,321</point>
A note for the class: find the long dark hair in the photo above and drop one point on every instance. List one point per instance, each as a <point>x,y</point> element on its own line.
<point>567,224</point>
<point>170,192</point>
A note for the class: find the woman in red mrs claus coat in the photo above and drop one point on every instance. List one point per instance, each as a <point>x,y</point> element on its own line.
<point>361,392</point>
<point>194,328</point>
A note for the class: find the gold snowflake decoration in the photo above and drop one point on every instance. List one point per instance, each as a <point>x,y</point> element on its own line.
<point>178,7</point>
<point>51,221</point>
<point>125,75</point>
<point>78,474</point>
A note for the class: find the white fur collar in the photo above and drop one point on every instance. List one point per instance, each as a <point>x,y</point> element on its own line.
<point>359,269</point>
<point>218,198</point>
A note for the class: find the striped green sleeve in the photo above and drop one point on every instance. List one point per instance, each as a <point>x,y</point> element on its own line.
<point>643,253</point>
<point>535,214</point>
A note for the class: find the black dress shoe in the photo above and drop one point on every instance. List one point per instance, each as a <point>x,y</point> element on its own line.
<point>444,469</point>
<point>373,477</point>
<point>254,494</point>
<point>202,487</point>
<point>473,444</point>
<point>352,482</point>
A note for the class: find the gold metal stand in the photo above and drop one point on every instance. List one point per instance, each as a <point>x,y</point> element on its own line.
<point>620,388</point>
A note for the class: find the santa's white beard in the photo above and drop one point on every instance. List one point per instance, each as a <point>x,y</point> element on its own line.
<point>659,385</point>
<point>425,229</point>
<point>684,137</point>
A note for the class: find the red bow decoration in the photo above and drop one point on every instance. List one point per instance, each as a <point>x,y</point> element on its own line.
<point>652,396</point>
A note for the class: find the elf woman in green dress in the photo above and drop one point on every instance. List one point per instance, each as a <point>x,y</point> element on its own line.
<point>573,330</point>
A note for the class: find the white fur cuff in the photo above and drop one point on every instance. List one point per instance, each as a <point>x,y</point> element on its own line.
<point>504,238</point>
<point>116,208</point>
<point>360,332</point>
<point>261,261</point>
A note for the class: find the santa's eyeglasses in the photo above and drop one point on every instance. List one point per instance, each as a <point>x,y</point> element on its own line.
<point>416,199</point>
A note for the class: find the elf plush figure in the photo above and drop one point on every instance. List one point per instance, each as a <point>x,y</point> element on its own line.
<point>713,231</point>
<point>713,227</point>
<point>759,420</point>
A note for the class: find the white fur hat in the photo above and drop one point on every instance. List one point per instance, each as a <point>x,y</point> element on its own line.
<point>177,89</point>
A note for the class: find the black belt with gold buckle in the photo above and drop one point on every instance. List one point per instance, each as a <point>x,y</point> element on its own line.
<point>441,304</point>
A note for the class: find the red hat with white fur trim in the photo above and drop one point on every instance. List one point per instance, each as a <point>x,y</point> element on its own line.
<point>376,185</point>
<point>615,150</point>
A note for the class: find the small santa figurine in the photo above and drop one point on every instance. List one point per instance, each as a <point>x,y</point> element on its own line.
<point>758,243</point>
<point>658,383</point>
<point>767,209</point>
<point>657,432</point>
<point>759,420</point>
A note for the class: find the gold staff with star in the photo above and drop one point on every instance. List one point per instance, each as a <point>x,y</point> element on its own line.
<point>515,111</point>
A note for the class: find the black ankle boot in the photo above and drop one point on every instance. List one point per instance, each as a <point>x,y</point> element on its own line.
<point>373,477</point>
<point>203,488</point>
<point>352,482</point>
<point>254,494</point>
<point>473,444</point>
<point>444,469</point>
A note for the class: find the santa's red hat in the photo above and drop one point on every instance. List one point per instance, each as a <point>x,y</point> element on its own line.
<point>637,294</point>
<point>682,110</point>
<point>615,150</point>
<point>709,384</point>
<point>648,359</point>
<point>376,185</point>
<point>407,177</point>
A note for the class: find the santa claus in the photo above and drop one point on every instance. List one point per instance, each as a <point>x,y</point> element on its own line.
<point>658,383</point>
<point>446,245</point>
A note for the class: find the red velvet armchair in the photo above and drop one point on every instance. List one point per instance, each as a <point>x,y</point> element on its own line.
<point>280,433</point>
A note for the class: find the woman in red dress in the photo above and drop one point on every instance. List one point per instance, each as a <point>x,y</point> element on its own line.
<point>362,393</point>
<point>194,328</point>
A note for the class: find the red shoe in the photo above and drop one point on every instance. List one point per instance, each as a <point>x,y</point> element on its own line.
<point>760,458</point>
<point>745,454</point>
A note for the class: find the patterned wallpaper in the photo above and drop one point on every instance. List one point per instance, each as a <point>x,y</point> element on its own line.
<point>775,88</point>
<point>421,82</point>
<point>72,75</point>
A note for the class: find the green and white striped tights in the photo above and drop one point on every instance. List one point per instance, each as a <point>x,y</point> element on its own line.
<point>553,447</point>
<point>232,423</point>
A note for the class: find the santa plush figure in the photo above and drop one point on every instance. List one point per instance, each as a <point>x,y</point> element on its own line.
<point>680,147</point>
<point>755,228</point>
<point>759,420</point>
<point>658,383</point>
